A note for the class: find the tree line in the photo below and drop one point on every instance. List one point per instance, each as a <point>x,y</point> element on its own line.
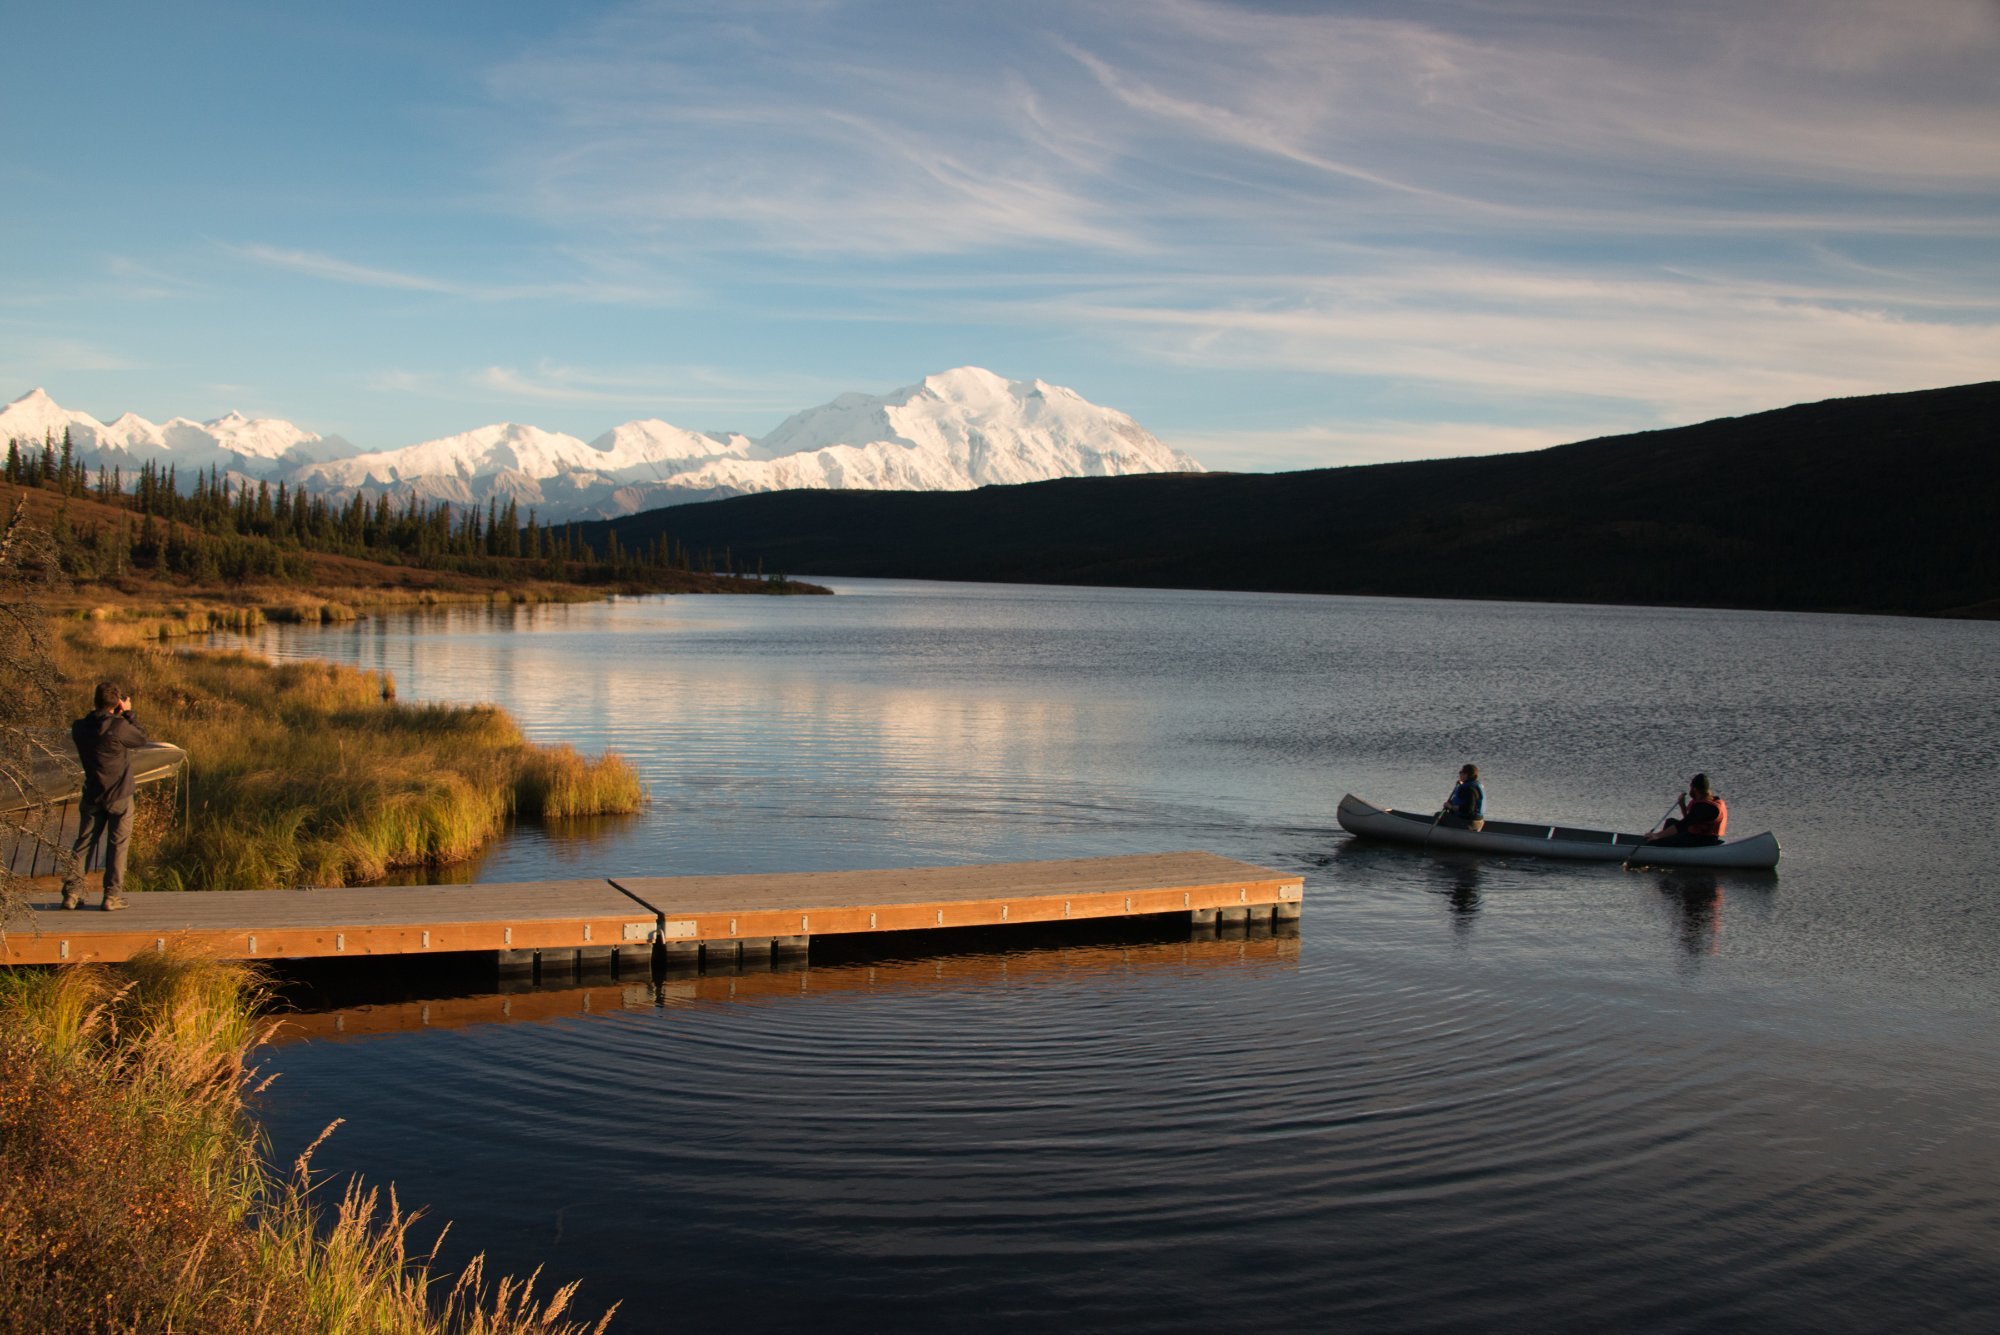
<point>229,528</point>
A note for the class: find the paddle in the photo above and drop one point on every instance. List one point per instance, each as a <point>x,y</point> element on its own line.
<point>1427,833</point>
<point>1649,833</point>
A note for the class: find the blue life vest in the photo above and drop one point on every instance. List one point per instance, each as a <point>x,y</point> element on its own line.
<point>1467,800</point>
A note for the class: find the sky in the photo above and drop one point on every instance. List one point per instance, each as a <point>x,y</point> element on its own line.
<point>1279,235</point>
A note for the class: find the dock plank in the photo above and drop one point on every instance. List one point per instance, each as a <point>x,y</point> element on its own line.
<point>292,924</point>
<point>988,894</point>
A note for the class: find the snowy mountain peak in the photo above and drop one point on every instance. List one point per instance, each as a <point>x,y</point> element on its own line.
<point>35,417</point>
<point>968,384</point>
<point>261,447</point>
<point>954,430</point>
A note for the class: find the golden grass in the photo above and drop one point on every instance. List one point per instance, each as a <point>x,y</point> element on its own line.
<point>136,1193</point>
<point>309,773</point>
<point>558,782</point>
<point>142,619</point>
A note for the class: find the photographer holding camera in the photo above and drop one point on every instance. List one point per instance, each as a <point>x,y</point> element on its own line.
<point>105,739</point>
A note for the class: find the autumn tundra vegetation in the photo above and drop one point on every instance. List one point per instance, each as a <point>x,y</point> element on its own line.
<point>137,1192</point>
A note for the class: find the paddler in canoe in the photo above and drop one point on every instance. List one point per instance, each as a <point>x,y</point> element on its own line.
<point>1703,821</point>
<point>1693,838</point>
<point>1465,809</point>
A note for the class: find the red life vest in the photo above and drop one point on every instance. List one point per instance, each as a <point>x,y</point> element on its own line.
<point>1716,827</point>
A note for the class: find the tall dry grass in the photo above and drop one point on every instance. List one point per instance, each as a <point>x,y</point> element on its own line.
<point>557,782</point>
<point>136,1193</point>
<point>308,773</point>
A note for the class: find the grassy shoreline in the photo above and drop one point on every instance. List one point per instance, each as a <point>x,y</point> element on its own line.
<point>311,773</point>
<point>137,1193</point>
<point>158,615</point>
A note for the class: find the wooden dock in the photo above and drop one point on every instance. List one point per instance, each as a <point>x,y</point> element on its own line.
<point>676,920</point>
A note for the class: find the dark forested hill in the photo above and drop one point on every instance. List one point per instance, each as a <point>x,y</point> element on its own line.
<point>1885,503</point>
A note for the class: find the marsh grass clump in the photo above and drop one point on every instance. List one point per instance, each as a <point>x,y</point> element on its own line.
<point>136,1193</point>
<point>557,782</point>
<point>309,773</point>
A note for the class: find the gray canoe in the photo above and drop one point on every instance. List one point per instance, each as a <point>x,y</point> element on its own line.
<point>1365,820</point>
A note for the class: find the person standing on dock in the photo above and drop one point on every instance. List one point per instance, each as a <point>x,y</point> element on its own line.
<point>105,739</point>
<point>1465,809</point>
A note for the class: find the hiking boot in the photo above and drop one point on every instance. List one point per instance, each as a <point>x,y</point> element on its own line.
<point>112,903</point>
<point>72,899</point>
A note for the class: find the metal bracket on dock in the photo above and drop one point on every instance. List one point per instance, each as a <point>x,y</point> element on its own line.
<point>653,933</point>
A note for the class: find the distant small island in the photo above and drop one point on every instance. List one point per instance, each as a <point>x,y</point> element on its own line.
<point>1876,504</point>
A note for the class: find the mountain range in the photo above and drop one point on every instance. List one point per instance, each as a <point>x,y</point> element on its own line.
<point>952,431</point>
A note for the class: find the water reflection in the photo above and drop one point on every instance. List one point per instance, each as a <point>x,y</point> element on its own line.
<point>1463,897</point>
<point>1696,897</point>
<point>1244,948</point>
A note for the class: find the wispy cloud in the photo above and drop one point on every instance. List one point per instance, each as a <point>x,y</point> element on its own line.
<point>629,391</point>
<point>1675,349</point>
<point>1331,445</point>
<point>642,290</point>
<point>659,388</point>
<point>35,358</point>
<point>800,130</point>
<point>343,271</point>
<point>1108,126</point>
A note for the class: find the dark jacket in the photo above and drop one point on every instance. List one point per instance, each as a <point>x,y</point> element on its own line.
<point>105,741</point>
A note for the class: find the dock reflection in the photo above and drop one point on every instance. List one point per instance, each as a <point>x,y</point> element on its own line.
<point>1264,948</point>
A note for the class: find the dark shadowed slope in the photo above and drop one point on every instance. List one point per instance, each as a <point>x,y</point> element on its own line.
<point>1884,504</point>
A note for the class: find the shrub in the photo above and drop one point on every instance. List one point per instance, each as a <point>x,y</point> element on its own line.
<point>136,1194</point>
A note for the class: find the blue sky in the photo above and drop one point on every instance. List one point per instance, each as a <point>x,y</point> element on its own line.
<point>1280,235</point>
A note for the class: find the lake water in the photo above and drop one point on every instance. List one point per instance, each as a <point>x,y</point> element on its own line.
<point>1471,1095</point>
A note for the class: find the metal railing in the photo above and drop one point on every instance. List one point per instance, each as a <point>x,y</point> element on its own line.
<point>39,828</point>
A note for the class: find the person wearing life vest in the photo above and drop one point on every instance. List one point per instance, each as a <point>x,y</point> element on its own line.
<point>1703,821</point>
<point>1465,809</point>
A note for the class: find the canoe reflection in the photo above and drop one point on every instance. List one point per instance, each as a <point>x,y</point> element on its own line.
<point>1269,948</point>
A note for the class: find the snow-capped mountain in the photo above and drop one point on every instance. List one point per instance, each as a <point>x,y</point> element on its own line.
<point>262,447</point>
<point>953,431</point>
<point>466,466</point>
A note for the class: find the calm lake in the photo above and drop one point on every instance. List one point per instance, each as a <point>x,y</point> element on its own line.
<point>1470,1095</point>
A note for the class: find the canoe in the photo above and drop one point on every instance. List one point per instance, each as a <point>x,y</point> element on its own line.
<point>1365,820</point>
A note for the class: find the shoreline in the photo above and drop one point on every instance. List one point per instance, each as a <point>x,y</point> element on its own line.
<point>312,773</point>
<point>205,611</point>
